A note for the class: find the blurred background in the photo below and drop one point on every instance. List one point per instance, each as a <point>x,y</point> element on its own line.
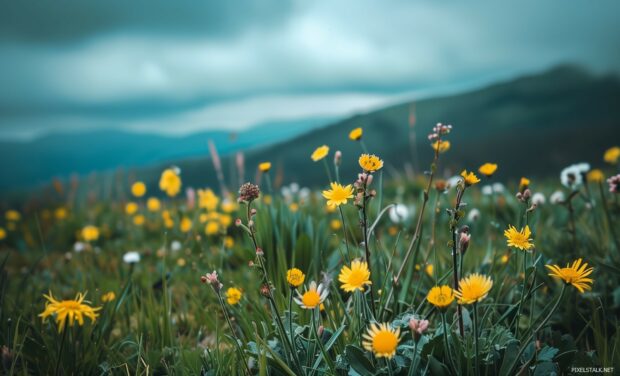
<point>111,90</point>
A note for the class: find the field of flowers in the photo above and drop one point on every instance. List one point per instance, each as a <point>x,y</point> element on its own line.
<point>435,275</point>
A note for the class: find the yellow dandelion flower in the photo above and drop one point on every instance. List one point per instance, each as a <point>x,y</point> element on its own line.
<point>229,242</point>
<point>60,213</point>
<point>186,224</point>
<point>429,270</point>
<point>473,288</point>
<point>488,169</point>
<point>313,297</point>
<point>370,162</point>
<point>207,199</point>
<point>504,259</point>
<point>12,215</point>
<point>264,166</point>
<point>355,277</point>
<point>90,233</point>
<point>71,310</point>
<point>233,295</point>
<point>228,206</point>
<point>469,178</point>
<point>595,176</point>
<point>440,296</point>
<point>212,228</point>
<point>108,297</point>
<point>2,233</point>
<point>612,155</point>
<point>295,277</point>
<point>131,208</point>
<point>356,134</point>
<point>441,146</point>
<point>170,182</point>
<point>153,204</point>
<point>574,274</point>
<point>139,220</point>
<point>293,207</point>
<point>138,189</point>
<point>382,340</point>
<point>320,153</point>
<point>335,224</point>
<point>338,195</point>
<point>524,183</point>
<point>519,239</point>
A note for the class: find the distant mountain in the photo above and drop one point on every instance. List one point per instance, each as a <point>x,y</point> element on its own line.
<point>59,155</point>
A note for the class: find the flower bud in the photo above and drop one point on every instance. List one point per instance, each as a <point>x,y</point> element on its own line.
<point>337,158</point>
<point>238,222</point>
<point>259,251</point>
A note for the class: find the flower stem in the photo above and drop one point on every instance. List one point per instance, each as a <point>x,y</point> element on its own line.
<point>62,346</point>
<point>367,249</point>
<point>234,333</point>
<point>446,343</point>
<point>477,361</point>
<point>344,231</point>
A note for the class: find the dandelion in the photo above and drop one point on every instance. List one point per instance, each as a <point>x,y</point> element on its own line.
<point>488,169</point>
<point>538,199</point>
<point>469,178</point>
<point>60,213</point>
<point>207,199</point>
<point>370,162</point>
<point>313,297</point>
<point>338,194</point>
<point>595,176</point>
<point>441,146</point>
<point>138,189</point>
<point>212,228</point>
<point>233,295</point>
<point>71,310</point>
<point>264,167</point>
<point>524,183</point>
<point>612,155</point>
<point>295,277</point>
<point>382,340</point>
<point>320,153</point>
<point>131,208</point>
<point>153,204</point>
<point>2,233</point>
<point>557,197</point>
<point>186,224</point>
<point>519,239</point>
<point>573,175</point>
<point>139,220</point>
<point>574,274</point>
<point>90,233</point>
<point>473,288</point>
<point>170,182</point>
<point>473,215</point>
<point>108,297</point>
<point>399,213</point>
<point>440,296</point>
<point>356,134</point>
<point>355,277</point>
<point>131,257</point>
<point>335,224</point>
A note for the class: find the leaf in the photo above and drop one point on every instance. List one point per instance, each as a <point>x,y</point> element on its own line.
<point>436,367</point>
<point>547,354</point>
<point>510,358</point>
<point>358,361</point>
<point>546,369</point>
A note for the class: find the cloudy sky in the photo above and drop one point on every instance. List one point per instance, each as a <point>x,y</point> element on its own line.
<point>182,66</point>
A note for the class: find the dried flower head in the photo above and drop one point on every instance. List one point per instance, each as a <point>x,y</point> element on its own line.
<point>248,192</point>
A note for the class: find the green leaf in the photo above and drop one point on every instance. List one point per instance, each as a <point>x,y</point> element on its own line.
<point>436,367</point>
<point>358,361</point>
<point>546,369</point>
<point>547,354</point>
<point>510,357</point>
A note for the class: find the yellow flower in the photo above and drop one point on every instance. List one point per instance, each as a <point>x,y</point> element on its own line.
<point>320,153</point>
<point>181,262</point>
<point>335,224</point>
<point>504,259</point>
<point>469,178</point>
<point>370,162</point>
<point>473,288</point>
<point>441,146</point>
<point>225,220</point>
<point>73,310</point>
<point>212,228</point>
<point>139,220</point>
<point>612,155</point>
<point>488,169</point>
<point>60,213</point>
<point>138,189</point>
<point>355,277</point>
<point>131,208</point>
<point>207,199</point>
<point>264,167</point>
<point>229,242</point>
<point>295,277</point>
<point>170,182</point>
<point>429,270</point>
<point>108,297</point>
<point>381,340</point>
<point>186,224</point>
<point>12,215</point>
<point>266,199</point>
<point>153,204</point>
<point>90,233</point>
<point>519,239</point>
<point>440,296</point>
<point>313,297</point>
<point>233,295</point>
<point>574,274</point>
<point>2,233</point>
<point>523,184</point>
<point>293,207</point>
<point>228,206</point>
<point>338,195</point>
<point>168,222</point>
<point>596,176</point>
<point>356,134</point>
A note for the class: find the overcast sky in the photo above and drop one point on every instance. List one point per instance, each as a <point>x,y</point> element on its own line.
<point>182,66</point>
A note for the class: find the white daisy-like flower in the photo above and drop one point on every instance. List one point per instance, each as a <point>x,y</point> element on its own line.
<point>175,246</point>
<point>487,190</point>
<point>498,188</point>
<point>557,197</point>
<point>399,213</point>
<point>538,199</point>
<point>453,182</point>
<point>131,257</point>
<point>79,247</point>
<point>573,175</point>
<point>313,297</point>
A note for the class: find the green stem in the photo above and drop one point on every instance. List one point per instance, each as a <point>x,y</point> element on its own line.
<point>329,174</point>
<point>477,361</point>
<point>414,358</point>
<point>330,364</point>
<point>234,333</point>
<point>62,346</point>
<point>344,231</point>
<point>446,343</point>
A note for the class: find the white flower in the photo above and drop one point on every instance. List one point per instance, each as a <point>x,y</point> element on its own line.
<point>572,176</point>
<point>132,257</point>
<point>399,213</point>
<point>304,193</point>
<point>453,182</point>
<point>321,291</point>
<point>538,199</point>
<point>487,190</point>
<point>498,187</point>
<point>294,188</point>
<point>176,246</point>
<point>79,247</point>
<point>557,197</point>
<point>473,215</point>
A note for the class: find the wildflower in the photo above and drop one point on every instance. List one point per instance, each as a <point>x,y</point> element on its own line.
<point>12,215</point>
<point>399,213</point>
<point>595,175</point>
<point>418,327</point>
<point>440,296</point>
<point>71,310</point>
<point>524,183</point>
<point>614,184</point>
<point>229,242</point>
<point>295,277</point>
<point>264,166</point>
<point>488,169</point>
<point>213,280</point>
<point>2,233</point>
<point>170,182</point>
<point>572,176</point>
<point>153,204</point>
<point>438,131</point>
<point>131,257</point>
<point>90,233</point>
<point>429,269</point>
<point>212,228</point>
<point>487,190</point>
<point>337,158</point>
<point>60,213</point>
<point>320,153</point>
<point>504,259</point>
<point>313,297</point>
<point>293,207</point>
<point>370,162</point>
<point>473,215</point>
<point>612,155</point>
<point>356,134</point>
<point>139,220</point>
<point>131,208</point>
<point>186,224</point>
<point>108,297</point>
<point>248,192</point>
<point>538,199</point>
<point>207,199</point>
<point>335,224</point>
<point>338,195</point>
<point>469,178</point>
<point>138,189</point>
<point>557,197</point>
<point>181,262</point>
<point>441,146</point>
<point>473,288</point>
<point>233,295</point>
<point>355,277</point>
<point>574,274</point>
<point>519,239</point>
<point>176,246</point>
<point>464,238</point>
<point>381,340</point>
